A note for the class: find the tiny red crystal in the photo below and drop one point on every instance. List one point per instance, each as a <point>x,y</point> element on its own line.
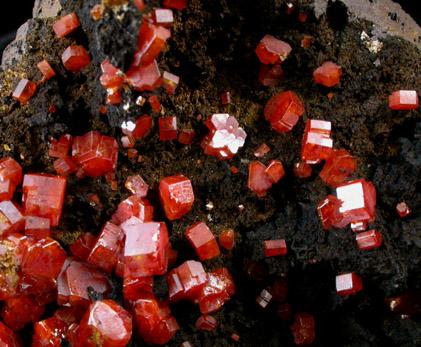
<point>154,102</point>
<point>177,4</point>
<point>328,74</point>
<point>302,170</point>
<point>203,241</point>
<point>226,98</point>
<point>317,144</point>
<point>167,128</point>
<point>137,186</point>
<point>186,136</point>
<point>403,209</point>
<point>46,69</point>
<point>176,195</point>
<point>404,100</point>
<point>269,75</point>
<point>24,90</point>
<point>75,58</point>
<point>66,25</point>
<point>226,239</point>
<point>261,151</point>
<point>137,129</point>
<point>368,240</point>
<point>274,248</point>
<point>206,322</point>
<point>349,283</point>
<point>82,247</point>
<point>303,329</point>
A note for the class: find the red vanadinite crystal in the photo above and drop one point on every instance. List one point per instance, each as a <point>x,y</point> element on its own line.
<point>154,102</point>
<point>283,111</point>
<point>235,337</point>
<point>43,258</point>
<point>132,286</point>
<point>261,151</point>
<point>167,128</point>
<point>20,310</point>
<point>105,324</point>
<point>74,281</point>
<point>127,142</point>
<point>206,322</point>
<point>403,100</point>
<point>269,76</point>
<point>133,206</point>
<point>186,136</point>
<point>290,8</point>
<point>7,190</point>
<point>113,96</point>
<point>96,153</point>
<point>43,196</point>
<point>24,90</point>
<point>264,299</point>
<point>306,41</point>
<point>152,39</point>
<point>403,209</point>
<point>349,283</point>
<point>302,170</point>
<point>8,338</point>
<point>66,25</point>
<point>177,4</point>
<point>82,247</point>
<point>274,248</point>
<point>163,16</point>
<point>137,186</point>
<point>302,17</point>
<point>140,4</point>
<point>144,77</point>
<point>279,290</point>
<point>65,166</point>
<point>60,148</point>
<point>138,129</point>
<point>317,144</point>
<point>225,136</point>
<point>271,50</point>
<point>11,171</point>
<point>203,241</point>
<point>75,58</point>
<point>46,69</point>
<point>226,239</point>
<point>152,319</point>
<point>170,82</point>
<point>258,181</point>
<point>37,227</point>
<point>328,74</point>
<point>111,76</point>
<point>368,239</point>
<point>284,311</point>
<point>105,251</point>
<point>146,248</point>
<point>186,281</point>
<point>274,171</point>
<point>218,290</point>
<point>226,98</point>
<point>338,167</point>
<point>12,218</point>
<point>132,153</point>
<point>176,195</point>
<point>358,226</point>
<point>303,329</point>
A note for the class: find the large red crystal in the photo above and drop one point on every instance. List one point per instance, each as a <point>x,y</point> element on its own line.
<point>328,74</point>
<point>203,241</point>
<point>152,39</point>
<point>167,128</point>
<point>225,137</point>
<point>75,58</point>
<point>111,76</point>
<point>261,178</point>
<point>43,196</point>
<point>137,129</point>
<point>146,248</point>
<point>82,247</point>
<point>226,239</point>
<point>186,281</point>
<point>43,258</point>
<point>368,240</point>
<point>152,320</point>
<point>274,248</point>
<point>20,310</point>
<point>66,25</point>
<point>12,218</point>
<point>8,338</point>
<point>46,69</point>
<point>104,252</point>
<point>176,195</point>
<point>144,77</point>
<point>133,206</point>
<point>338,167</point>
<point>10,170</point>
<point>105,324</point>
<point>303,329</point>
<point>349,283</point>
<point>283,111</point>
<point>96,153</point>
<point>317,144</point>
<point>403,100</point>
<point>218,290</point>
<point>24,90</point>
<point>271,50</point>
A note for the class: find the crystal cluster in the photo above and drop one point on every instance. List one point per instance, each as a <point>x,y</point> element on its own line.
<point>262,177</point>
<point>225,137</point>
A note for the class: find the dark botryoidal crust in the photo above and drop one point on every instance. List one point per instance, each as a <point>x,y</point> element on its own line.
<point>212,50</point>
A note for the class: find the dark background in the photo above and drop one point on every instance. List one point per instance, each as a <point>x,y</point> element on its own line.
<point>17,12</point>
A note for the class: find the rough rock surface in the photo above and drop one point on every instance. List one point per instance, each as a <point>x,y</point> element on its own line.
<point>212,50</point>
